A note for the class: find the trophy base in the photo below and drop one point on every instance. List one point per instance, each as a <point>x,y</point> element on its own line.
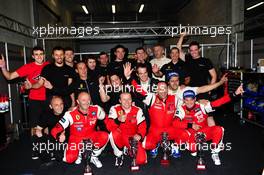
<point>134,168</point>
<point>90,173</point>
<point>200,167</point>
<point>164,162</point>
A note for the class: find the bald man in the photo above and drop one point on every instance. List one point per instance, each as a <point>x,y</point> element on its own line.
<point>82,121</point>
<point>126,121</point>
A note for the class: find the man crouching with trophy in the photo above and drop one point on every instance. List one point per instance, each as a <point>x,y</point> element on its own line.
<point>82,122</point>
<point>127,125</point>
<point>193,128</point>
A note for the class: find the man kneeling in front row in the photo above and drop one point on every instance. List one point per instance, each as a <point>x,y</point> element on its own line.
<point>82,121</point>
<point>192,119</point>
<point>125,122</point>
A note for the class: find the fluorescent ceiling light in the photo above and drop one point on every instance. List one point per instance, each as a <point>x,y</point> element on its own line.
<point>256,5</point>
<point>113,9</point>
<point>141,8</point>
<point>85,9</point>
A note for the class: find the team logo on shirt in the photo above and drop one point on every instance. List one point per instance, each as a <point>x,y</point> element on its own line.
<point>120,113</point>
<point>94,113</point>
<point>197,109</point>
<point>36,78</point>
<point>63,120</point>
<point>77,117</point>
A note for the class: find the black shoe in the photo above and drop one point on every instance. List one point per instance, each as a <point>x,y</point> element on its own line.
<point>48,164</point>
<point>119,161</point>
<point>35,155</point>
<point>3,146</point>
<point>52,156</point>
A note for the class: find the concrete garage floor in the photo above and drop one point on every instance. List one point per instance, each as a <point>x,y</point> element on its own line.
<point>245,158</point>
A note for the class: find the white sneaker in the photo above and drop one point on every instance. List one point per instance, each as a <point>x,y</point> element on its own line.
<point>125,150</point>
<point>216,159</point>
<point>194,154</point>
<point>96,162</point>
<point>78,160</point>
<point>119,161</point>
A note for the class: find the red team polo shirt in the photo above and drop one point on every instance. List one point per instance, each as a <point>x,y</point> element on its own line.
<point>32,72</point>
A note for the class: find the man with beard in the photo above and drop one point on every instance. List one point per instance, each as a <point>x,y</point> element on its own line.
<point>69,56</point>
<point>119,59</point>
<point>56,77</point>
<point>162,108</point>
<point>176,65</point>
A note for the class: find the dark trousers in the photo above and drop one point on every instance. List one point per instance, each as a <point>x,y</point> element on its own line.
<point>2,129</point>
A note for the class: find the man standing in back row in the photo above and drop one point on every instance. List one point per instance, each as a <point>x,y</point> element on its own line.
<point>37,96</point>
<point>56,77</point>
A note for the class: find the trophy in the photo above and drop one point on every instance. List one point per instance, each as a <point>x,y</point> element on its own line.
<point>87,156</point>
<point>133,153</point>
<point>165,145</point>
<point>200,140</point>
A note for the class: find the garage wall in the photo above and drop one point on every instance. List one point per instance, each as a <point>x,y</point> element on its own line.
<point>20,11</point>
<point>53,13</point>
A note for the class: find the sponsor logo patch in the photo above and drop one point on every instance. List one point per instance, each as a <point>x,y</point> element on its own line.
<point>63,120</point>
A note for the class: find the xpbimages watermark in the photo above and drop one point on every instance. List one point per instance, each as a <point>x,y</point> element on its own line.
<point>62,31</point>
<point>205,147</point>
<point>96,31</point>
<point>212,31</point>
<point>56,146</point>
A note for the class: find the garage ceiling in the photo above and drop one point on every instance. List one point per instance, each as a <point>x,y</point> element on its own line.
<point>100,11</point>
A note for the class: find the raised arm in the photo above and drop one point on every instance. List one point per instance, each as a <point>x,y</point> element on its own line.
<point>210,87</point>
<point>103,96</point>
<point>8,75</point>
<point>180,41</point>
<point>227,97</point>
<point>156,71</point>
<point>179,45</point>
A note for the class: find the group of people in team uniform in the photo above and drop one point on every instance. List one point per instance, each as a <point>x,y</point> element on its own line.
<point>122,99</point>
